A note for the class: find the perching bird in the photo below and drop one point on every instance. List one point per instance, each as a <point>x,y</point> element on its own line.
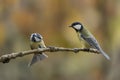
<point>36,41</point>
<point>87,37</point>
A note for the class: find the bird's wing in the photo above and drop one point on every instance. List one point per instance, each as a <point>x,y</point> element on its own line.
<point>91,41</point>
<point>42,44</point>
<point>42,52</point>
<point>37,57</point>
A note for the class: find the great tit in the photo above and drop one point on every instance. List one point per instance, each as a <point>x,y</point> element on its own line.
<point>36,41</point>
<point>84,34</point>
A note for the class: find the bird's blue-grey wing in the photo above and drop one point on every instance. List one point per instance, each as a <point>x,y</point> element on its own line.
<point>37,57</point>
<point>91,41</point>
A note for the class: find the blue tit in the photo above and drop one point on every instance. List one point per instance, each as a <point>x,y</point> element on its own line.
<point>36,41</point>
<point>85,35</point>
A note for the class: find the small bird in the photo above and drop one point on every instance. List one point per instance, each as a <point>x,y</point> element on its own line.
<point>84,34</point>
<point>36,41</point>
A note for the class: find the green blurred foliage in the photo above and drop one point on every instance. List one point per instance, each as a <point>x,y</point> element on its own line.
<point>51,18</point>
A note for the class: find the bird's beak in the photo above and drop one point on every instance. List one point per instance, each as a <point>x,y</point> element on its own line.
<point>70,26</point>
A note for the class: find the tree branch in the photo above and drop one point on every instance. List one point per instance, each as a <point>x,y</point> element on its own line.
<point>7,57</point>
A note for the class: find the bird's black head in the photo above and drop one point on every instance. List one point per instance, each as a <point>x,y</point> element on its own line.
<point>77,26</point>
<point>36,37</point>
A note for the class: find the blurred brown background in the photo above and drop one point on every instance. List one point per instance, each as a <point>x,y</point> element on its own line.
<point>51,18</point>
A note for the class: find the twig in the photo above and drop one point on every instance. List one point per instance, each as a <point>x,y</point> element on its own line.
<point>7,57</point>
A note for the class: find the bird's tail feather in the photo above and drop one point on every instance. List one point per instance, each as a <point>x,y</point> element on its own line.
<point>105,55</point>
<point>37,57</point>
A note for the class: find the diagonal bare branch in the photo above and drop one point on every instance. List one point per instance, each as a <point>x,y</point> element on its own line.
<point>7,57</point>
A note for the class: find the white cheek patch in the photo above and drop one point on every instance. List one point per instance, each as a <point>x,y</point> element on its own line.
<point>37,39</point>
<point>78,27</point>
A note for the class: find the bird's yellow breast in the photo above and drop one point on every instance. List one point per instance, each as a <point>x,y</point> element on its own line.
<point>85,32</point>
<point>34,45</point>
